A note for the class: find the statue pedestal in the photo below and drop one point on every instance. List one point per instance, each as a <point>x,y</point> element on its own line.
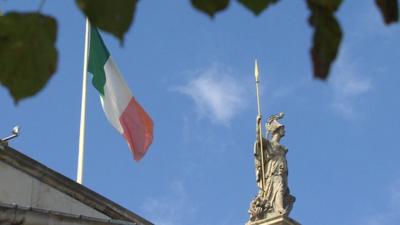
<point>278,220</point>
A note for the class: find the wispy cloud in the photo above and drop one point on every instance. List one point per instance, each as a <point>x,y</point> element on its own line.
<point>388,214</point>
<point>217,94</point>
<point>368,23</point>
<point>348,85</point>
<point>171,208</point>
<point>395,195</point>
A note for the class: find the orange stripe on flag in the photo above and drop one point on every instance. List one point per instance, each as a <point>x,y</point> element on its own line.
<point>138,128</point>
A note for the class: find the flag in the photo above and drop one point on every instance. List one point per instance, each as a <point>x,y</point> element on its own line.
<point>121,109</point>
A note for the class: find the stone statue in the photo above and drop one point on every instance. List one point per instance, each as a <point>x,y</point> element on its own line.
<point>273,198</point>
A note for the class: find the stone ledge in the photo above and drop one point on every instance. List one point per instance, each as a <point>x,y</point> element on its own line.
<point>278,220</point>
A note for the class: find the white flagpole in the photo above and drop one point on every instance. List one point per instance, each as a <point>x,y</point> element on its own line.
<point>79,175</point>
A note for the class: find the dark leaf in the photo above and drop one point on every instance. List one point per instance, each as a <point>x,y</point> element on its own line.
<point>328,5</point>
<point>389,10</point>
<point>327,35</point>
<point>257,6</point>
<point>114,17</point>
<point>210,6</point>
<point>28,56</point>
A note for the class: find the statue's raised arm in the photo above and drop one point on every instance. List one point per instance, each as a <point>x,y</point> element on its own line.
<point>258,161</point>
<point>259,138</point>
<point>258,127</point>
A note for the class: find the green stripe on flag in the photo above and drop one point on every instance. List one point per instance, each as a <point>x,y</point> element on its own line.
<point>98,57</point>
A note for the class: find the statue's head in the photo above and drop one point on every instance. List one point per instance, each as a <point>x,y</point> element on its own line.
<point>273,125</point>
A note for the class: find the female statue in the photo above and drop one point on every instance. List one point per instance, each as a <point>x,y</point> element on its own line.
<point>274,197</point>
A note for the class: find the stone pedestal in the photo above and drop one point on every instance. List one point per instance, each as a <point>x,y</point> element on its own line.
<point>278,220</point>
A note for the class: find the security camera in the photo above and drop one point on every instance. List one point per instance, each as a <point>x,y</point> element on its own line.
<point>15,130</point>
<point>14,133</point>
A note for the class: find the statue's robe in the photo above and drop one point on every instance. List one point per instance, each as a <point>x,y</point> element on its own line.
<point>276,191</point>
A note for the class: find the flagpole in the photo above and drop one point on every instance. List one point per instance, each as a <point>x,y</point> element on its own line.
<point>79,175</point>
<point>260,130</point>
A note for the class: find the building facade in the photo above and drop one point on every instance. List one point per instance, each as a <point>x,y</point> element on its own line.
<point>33,194</point>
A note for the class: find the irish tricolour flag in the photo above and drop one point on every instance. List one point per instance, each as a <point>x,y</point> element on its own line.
<point>120,107</point>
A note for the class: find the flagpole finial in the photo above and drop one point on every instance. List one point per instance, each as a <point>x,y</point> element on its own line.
<point>256,73</point>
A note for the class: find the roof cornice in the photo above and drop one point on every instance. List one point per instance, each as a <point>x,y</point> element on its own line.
<point>64,184</point>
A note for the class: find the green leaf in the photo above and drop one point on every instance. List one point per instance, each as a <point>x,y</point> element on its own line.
<point>327,35</point>
<point>210,6</point>
<point>114,17</point>
<point>28,57</point>
<point>328,5</point>
<point>389,10</point>
<point>257,6</point>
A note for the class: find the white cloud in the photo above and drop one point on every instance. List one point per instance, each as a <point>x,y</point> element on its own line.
<point>368,23</point>
<point>395,195</point>
<point>387,214</point>
<point>217,94</point>
<point>171,208</point>
<point>348,85</point>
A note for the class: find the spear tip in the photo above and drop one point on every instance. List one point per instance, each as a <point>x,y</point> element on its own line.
<point>256,70</point>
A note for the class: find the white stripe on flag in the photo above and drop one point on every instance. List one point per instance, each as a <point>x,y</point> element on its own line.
<point>116,95</point>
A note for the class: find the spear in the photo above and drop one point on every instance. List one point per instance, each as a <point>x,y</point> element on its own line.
<point>260,130</point>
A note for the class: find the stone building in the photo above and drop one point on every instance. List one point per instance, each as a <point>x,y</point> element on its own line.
<point>32,194</point>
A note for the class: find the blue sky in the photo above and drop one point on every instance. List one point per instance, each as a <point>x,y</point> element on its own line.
<point>194,76</point>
